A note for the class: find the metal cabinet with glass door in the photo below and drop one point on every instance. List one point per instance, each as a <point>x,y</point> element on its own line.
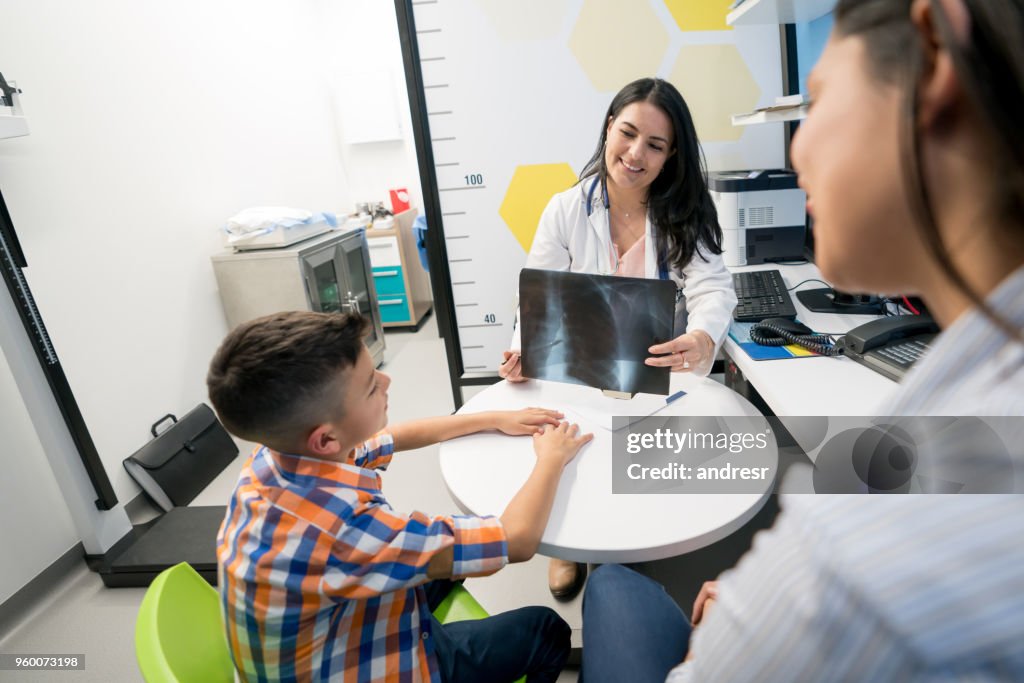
<point>327,273</point>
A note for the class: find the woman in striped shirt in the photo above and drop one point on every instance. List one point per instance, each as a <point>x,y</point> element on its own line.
<point>912,157</point>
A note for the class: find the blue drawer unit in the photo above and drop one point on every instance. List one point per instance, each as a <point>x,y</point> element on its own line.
<point>403,287</point>
<point>394,308</point>
<point>388,280</point>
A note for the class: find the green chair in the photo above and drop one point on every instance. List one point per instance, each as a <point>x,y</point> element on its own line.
<point>179,633</point>
<point>460,605</point>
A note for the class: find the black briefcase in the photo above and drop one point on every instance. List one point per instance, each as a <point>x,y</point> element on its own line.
<point>182,459</point>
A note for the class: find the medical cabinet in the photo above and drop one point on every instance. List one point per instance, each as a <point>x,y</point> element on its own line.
<point>327,273</point>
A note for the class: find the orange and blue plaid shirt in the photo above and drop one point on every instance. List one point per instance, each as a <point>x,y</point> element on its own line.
<point>321,580</point>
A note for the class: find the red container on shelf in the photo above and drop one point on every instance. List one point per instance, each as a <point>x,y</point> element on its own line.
<point>399,200</point>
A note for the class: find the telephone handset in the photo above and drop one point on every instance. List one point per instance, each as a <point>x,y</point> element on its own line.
<point>884,331</point>
<point>890,345</point>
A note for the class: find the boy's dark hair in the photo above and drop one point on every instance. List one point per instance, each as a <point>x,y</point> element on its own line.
<point>271,377</point>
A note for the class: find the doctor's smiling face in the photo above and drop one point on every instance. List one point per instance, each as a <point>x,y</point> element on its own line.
<point>639,142</point>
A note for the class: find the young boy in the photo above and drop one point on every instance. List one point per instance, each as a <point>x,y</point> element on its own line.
<point>320,578</point>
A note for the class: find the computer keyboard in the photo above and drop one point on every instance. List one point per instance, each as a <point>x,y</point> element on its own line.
<point>761,294</point>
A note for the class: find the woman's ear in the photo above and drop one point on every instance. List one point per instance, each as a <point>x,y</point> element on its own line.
<point>939,88</point>
<point>323,442</point>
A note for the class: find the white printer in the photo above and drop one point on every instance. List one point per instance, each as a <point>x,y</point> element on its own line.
<point>763,215</point>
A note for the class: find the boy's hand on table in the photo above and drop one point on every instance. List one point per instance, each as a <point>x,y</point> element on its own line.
<point>559,444</point>
<point>526,421</point>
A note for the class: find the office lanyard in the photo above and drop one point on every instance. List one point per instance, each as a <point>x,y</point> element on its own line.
<point>662,266</point>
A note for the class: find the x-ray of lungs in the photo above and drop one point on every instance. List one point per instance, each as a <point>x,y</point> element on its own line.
<point>594,329</point>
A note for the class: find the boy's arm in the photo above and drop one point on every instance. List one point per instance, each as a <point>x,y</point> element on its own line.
<point>526,515</point>
<point>524,519</point>
<point>415,434</point>
<point>376,550</point>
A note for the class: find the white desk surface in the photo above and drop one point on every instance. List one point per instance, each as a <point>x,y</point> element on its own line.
<point>819,385</point>
<point>588,523</point>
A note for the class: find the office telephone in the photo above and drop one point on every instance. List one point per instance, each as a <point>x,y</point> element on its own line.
<point>891,345</point>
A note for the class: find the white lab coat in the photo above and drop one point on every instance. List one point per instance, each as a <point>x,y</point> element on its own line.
<point>568,239</point>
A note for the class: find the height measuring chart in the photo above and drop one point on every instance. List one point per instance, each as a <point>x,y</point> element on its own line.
<point>12,263</point>
<point>508,103</point>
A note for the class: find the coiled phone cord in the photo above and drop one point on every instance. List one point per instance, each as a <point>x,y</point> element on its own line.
<point>767,334</point>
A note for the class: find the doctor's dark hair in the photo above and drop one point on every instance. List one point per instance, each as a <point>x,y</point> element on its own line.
<point>678,202</point>
<point>271,379</point>
<point>989,64</point>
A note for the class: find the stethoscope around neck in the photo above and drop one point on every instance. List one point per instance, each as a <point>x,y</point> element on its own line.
<point>662,267</point>
<point>590,195</point>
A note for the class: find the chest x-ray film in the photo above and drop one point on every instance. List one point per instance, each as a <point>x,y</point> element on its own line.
<point>594,329</point>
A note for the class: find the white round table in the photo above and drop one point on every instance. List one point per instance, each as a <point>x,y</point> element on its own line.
<point>588,522</point>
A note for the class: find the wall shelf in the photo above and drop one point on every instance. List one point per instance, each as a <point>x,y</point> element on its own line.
<point>762,12</point>
<point>793,114</point>
<point>752,12</point>
<point>12,126</point>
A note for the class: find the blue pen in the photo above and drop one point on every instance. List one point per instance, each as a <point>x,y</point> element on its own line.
<point>675,396</point>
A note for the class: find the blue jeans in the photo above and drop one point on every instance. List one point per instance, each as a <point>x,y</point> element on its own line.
<point>529,641</point>
<point>632,629</point>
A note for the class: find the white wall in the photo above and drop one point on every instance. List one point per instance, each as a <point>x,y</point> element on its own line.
<point>151,123</point>
<point>37,528</point>
<point>364,40</point>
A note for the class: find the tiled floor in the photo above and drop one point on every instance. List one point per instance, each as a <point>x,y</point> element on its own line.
<point>82,616</point>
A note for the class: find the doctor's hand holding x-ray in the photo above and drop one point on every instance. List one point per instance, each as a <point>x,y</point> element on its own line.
<point>642,209</point>
<point>689,352</point>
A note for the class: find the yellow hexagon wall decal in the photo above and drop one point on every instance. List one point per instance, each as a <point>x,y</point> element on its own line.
<point>617,42</point>
<point>700,15</point>
<point>531,188</point>
<point>716,83</point>
<point>525,19</point>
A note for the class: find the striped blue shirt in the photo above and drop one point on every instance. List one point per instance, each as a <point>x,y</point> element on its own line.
<point>890,588</point>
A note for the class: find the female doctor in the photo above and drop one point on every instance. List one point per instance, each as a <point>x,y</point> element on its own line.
<point>641,209</point>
